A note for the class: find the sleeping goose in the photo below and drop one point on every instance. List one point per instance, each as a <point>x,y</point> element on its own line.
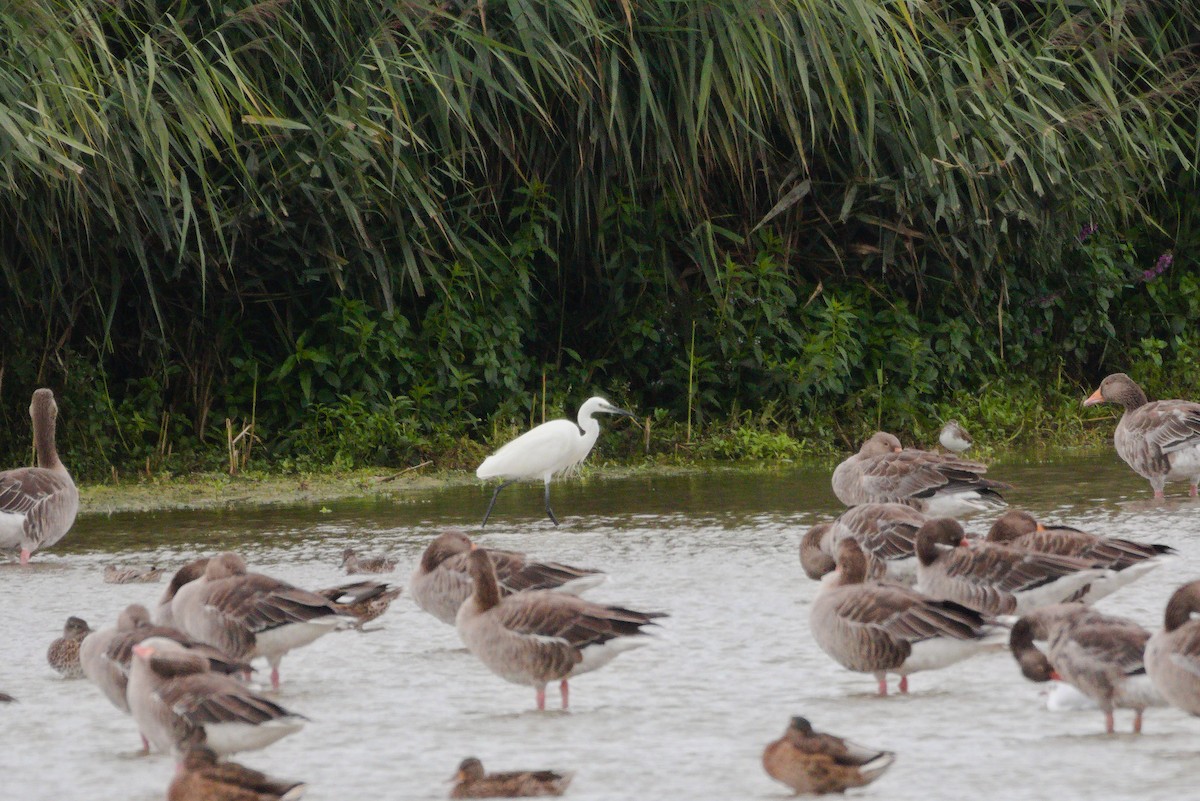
<point>995,579</point>
<point>1099,655</point>
<point>814,763</point>
<point>472,782</point>
<point>1173,654</point>
<point>200,777</point>
<point>885,531</point>
<point>886,628</point>
<point>179,703</point>
<point>953,437</point>
<point>184,575</point>
<point>63,654</point>
<point>248,614</point>
<point>933,483</point>
<point>442,580</point>
<point>38,504</point>
<point>1128,559</point>
<point>1160,440</point>
<point>539,636</point>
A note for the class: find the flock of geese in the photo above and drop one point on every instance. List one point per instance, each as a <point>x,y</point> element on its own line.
<point>903,590</point>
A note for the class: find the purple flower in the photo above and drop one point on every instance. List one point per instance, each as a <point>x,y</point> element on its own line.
<point>1087,230</point>
<point>1160,266</point>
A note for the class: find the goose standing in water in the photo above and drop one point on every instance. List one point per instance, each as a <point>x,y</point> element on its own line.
<point>539,636</point>
<point>814,763</point>
<point>886,532</point>
<point>1160,440</point>
<point>547,450</point>
<point>1173,654</point>
<point>38,504</point>
<point>936,484</point>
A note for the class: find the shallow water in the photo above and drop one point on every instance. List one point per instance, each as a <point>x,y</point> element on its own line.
<point>393,711</point>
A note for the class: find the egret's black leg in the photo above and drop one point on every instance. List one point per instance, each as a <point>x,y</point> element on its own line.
<point>550,511</point>
<point>492,503</point>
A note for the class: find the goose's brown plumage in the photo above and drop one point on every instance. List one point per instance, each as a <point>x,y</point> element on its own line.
<point>442,580</point>
<point>884,472</point>
<point>1100,655</point>
<point>38,504</point>
<point>538,636</point>
<point>1159,440</point>
<point>887,628</point>
<point>1130,559</point>
<point>184,575</point>
<point>249,614</point>
<point>1173,654</point>
<point>814,763</point>
<point>994,579</point>
<point>179,703</point>
<point>63,654</point>
<point>885,531</point>
<point>471,781</point>
<point>200,777</point>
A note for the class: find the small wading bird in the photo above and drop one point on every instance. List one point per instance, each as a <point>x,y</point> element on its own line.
<point>546,451</point>
<point>954,437</point>
<point>38,504</point>
<point>814,763</point>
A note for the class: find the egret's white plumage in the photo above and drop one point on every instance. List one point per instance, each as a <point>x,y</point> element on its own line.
<point>545,451</point>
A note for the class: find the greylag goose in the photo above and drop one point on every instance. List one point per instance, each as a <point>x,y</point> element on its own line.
<point>886,628</point>
<point>472,782</point>
<point>130,574</point>
<point>814,763</point>
<point>184,575</point>
<point>442,580</point>
<point>1099,655</point>
<point>201,777</point>
<point>1173,654</point>
<point>248,614</point>
<point>547,450</point>
<point>179,703</point>
<point>885,531</point>
<point>539,636</point>
<point>63,654</point>
<point>38,504</point>
<point>995,579</point>
<point>1160,440</point>
<point>1128,559</point>
<point>933,483</point>
<point>366,564</point>
<point>953,437</point>
<point>363,600</point>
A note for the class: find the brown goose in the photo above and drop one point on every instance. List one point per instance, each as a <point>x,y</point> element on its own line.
<point>472,782</point>
<point>1130,560</point>
<point>184,575</point>
<point>179,703</point>
<point>130,574</point>
<point>539,636</point>
<point>38,504</point>
<point>1173,654</point>
<point>885,628</point>
<point>363,600</point>
<point>1097,654</point>
<point>442,581</point>
<point>248,614</point>
<point>885,531</point>
<point>1160,440</point>
<point>63,654</point>
<point>200,777</point>
<point>953,437</point>
<point>933,483</point>
<point>995,579</point>
<point>814,763</point>
<point>366,564</point>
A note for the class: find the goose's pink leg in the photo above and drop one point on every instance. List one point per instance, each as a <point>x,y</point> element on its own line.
<point>1192,491</point>
<point>565,692</point>
<point>1108,723</point>
<point>275,678</point>
<point>1137,722</point>
<point>541,697</point>
<point>145,744</point>
<point>904,684</point>
<point>1158,495</point>
<point>25,554</point>
<point>883,685</point>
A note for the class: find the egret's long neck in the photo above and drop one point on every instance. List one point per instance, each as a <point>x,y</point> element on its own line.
<point>590,427</point>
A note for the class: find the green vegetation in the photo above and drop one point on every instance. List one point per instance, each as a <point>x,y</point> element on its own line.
<point>307,234</point>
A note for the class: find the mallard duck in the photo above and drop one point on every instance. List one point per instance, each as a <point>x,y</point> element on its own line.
<point>200,777</point>
<point>472,782</point>
<point>132,574</point>
<point>364,600</point>
<point>366,564</point>
<point>814,763</point>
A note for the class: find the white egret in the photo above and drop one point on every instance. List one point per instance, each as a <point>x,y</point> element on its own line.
<point>547,450</point>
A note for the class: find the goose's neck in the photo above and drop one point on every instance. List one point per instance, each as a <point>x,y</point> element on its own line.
<point>927,550</point>
<point>487,592</point>
<point>43,443</point>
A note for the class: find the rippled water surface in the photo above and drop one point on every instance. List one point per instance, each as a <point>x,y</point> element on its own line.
<point>393,711</point>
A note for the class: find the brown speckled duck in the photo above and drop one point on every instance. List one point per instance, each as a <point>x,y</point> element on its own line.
<point>366,564</point>
<point>1159,440</point>
<point>442,581</point>
<point>200,777</point>
<point>1173,654</point>
<point>814,763</point>
<point>132,574</point>
<point>472,782</point>
<point>364,600</point>
<point>38,504</point>
<point>63,654</point>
